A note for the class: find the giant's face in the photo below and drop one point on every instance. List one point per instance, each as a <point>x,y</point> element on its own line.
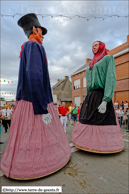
<point>40,34</point>
<point>95,47</point>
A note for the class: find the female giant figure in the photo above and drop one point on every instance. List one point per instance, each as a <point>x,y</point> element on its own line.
<point>98,128</point>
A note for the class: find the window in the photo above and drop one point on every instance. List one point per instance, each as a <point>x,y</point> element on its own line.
<point>84,82</point>
<point>77,100</point>
<point>77,84</point>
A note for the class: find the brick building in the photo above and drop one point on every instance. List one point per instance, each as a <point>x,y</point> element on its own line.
<point>121,56</point>
<point>79,84</point>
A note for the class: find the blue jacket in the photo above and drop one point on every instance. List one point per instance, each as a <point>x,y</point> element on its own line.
<point>34,82</point>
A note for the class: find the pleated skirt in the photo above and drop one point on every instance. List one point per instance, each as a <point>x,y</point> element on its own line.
<point>96,132</point>
<point>34,149</point>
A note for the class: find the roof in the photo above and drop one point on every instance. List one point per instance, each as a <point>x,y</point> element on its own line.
<point>124,51</point>
<point>58,83</point>
<point>118,48</point>
<point>63,89</point>
<point>82,68</point>
<point>65,99</point>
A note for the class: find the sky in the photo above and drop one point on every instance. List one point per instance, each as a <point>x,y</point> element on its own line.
<point>68,42</point>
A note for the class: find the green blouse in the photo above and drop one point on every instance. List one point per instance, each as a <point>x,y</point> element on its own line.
<point>102,75</point>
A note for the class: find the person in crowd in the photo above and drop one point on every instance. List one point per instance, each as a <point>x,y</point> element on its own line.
<point>120,114</point>
<point>63,111</point>
<point>70,114</point>
<point>12,108</point>
<point>75,113</point>
<point>116,104</point>
<point>56,107</point>
<point>116,109</point>
<point>79,108</point>
<point>125,118</point>
<point>125,110</point>
<point>9,106</point>
<point>126,105</point>
<point>1,117</point>
<point>122,105</point>
<point>6,113</point>
<point>0,109</point>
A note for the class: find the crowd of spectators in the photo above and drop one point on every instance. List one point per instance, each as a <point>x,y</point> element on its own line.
<point>70,113</point>
<point>6,112</point>
<point>73,112</point>
<point>122,104</point>
<point>122,111</point>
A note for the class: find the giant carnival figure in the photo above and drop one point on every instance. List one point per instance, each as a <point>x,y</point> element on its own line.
<point>37,144</point>
<point>98,129</point>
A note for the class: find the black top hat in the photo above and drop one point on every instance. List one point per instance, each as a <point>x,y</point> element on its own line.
<point>28,21</point>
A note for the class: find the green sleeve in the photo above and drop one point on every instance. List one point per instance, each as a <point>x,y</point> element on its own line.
<point>87,90</point>
<point>110,79</point>
<point>87,85</point>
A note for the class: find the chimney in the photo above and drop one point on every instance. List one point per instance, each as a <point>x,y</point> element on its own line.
<point>66,77</point>
<point>87,59</point>
<point>128,38</point>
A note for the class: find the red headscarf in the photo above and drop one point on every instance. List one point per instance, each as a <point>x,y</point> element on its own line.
<point>99,55</point>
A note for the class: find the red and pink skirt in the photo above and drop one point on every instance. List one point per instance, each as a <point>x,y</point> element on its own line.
<point>96,132</point>
<point>103,138</point>
<point>34,149</point>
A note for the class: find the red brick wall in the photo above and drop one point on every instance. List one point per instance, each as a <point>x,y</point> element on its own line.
<point>122,96</point>
<point>122,72</point>
<point>122,59</point>
<point>78,92</point>
<point>122,85</point>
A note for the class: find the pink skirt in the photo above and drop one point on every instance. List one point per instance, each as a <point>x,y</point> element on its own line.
<point>106,138</point>
<point>34,149</point>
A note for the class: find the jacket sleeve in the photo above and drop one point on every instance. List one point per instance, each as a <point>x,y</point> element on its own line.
<point>110,79</point>
<point>87,90</point>
<point>87,83</point>
<point>34,73</point>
